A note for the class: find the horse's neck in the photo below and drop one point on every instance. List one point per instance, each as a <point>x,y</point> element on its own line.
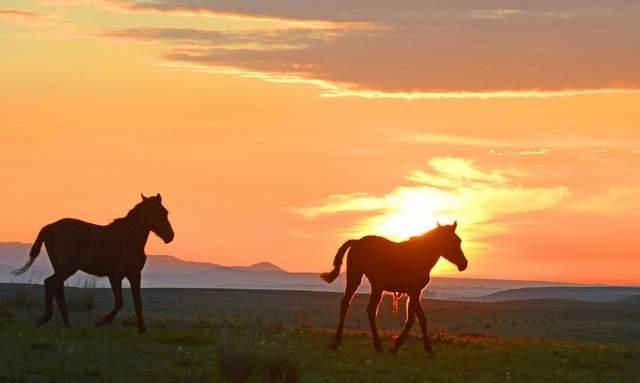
<point>429,251</point>
<point>134,232</point>
<point>139,238</point>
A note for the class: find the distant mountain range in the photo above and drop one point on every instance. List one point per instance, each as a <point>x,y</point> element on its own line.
<point>169,271</point>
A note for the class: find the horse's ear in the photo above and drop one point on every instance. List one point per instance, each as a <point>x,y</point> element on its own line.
<point>159,197</point>
<point>438,223</point>
<point>143,197</point>
<point>455,225</point>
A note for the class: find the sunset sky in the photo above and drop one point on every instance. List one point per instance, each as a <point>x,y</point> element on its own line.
<point>275,130</point>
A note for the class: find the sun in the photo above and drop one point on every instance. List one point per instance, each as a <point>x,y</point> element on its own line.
<point>414,211</point>
<point>402,225</point>
<point>410,212</point>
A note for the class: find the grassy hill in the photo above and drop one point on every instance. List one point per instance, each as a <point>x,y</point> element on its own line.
<point>211,335</point>
<point>558,319</point>
<point>582,293</point>
<point>634,300</point>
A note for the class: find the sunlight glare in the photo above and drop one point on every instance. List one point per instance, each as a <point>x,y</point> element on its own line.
<point>411,212</point>
<point>414,211</point>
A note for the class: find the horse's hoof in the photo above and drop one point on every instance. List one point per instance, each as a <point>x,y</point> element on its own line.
<point>142,330</point>
<point>378,347</point>
<point>41,321</point>
<point>393,350</point>
<point>430,352</point>
<point>102,322</point>
<point>334,346</point>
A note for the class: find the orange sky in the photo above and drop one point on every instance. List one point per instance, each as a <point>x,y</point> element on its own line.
<point>276,130</point>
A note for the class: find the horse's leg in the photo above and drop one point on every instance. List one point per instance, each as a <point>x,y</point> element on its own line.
<point>372,311</point>
<point>134,280</point>
<point>116,289</point>
<point>49,290</point>
<point>422,319</point>
<point>411,317</point>
<point>59,295</point>
<point>353,281</point>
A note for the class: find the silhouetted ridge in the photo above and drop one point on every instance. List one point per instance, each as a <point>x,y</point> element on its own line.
<point>265,266</point>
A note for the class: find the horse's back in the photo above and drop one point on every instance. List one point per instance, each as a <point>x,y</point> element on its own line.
<point>71,230</point>
<point>73,223</point>
<point>393,266</point>
<point>68,241</point>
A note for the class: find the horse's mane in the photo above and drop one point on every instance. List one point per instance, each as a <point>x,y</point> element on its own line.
<point>426,235</point>
<point>131,214</point>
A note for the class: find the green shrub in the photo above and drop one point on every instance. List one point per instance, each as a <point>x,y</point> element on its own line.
<point>238,356</point>
<point>248,357</point>
<point>278,365</point>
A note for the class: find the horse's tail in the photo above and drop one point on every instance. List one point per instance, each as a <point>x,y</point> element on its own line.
<point>33,254</point>
<point>337,262</point>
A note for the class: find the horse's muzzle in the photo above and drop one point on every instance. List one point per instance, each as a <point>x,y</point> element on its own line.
<point>463,267</point>
<point>168,238</point>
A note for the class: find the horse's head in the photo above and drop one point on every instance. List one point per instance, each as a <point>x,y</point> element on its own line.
<point>451,246</point>
<point>157,217</point>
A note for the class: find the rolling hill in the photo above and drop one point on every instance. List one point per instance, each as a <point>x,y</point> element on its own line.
<point>582,293</point>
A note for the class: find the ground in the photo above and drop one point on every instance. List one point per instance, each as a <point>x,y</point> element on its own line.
<point>187,347</point>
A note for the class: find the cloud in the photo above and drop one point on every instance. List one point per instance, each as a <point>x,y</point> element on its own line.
<point>531,152</point>
<point>616,200</point>
<point>529,146</point>
<point>342,203</point>
<point>21,16</point>
<point>255,40</point>
<point>331,89</point>
<point>451,189</point>
<point>493,14</point>
<point>457,172</point>
<point>424,50</point>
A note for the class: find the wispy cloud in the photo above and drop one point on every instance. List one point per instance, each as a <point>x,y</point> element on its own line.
<point>199,40</point>
<point>493,14</point>
<point>527,146</point>
<point>616,199</point>
<point>26,17</point>
<point>187,58</point>
<point>452,188</point>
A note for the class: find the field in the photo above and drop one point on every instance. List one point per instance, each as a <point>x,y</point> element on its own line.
<point>193,333</point>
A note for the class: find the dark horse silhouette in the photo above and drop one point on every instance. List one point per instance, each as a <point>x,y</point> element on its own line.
<point>115,250</point>
<point>397,267</point>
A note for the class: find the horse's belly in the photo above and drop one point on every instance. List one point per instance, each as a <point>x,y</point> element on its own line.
<point>394,284</point>
<point>99,267</point>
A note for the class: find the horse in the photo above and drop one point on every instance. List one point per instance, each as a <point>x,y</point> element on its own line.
<point>397,267</point>
<point>115,251</point>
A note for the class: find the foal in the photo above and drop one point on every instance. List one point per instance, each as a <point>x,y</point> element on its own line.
<point>115,251</point>
<point>398,267</point>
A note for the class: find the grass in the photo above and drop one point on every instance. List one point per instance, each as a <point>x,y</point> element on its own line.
<point>565,320</point>
<point>19,297</point>
<point>204,335</point>
<point>206,350</point>
<point>257,353</point>
<point>83,298</point>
